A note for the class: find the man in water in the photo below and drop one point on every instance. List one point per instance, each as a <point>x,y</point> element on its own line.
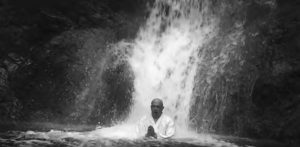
<point>157,125</point>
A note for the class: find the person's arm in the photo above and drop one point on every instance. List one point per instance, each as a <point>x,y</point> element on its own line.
<point>170,131</point>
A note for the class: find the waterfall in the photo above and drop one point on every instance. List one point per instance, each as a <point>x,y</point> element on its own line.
<point>165,56</point>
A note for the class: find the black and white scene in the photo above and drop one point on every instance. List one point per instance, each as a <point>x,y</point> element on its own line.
<point>149,73</point>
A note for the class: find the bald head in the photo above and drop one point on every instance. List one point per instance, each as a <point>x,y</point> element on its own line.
<point>157,101</point>
<point>156,108</point>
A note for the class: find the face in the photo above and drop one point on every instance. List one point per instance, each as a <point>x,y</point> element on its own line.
<point>156,108</point>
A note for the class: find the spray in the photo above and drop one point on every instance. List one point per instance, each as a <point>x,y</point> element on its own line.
<point>165,56</point>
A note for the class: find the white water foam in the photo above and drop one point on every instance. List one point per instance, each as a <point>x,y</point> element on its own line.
<point>164,58</point>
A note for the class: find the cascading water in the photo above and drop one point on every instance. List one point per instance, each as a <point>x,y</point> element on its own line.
<point>170,59</point>
<point>165,56</point>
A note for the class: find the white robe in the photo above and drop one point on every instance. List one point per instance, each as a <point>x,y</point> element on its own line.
<point>164,126</point>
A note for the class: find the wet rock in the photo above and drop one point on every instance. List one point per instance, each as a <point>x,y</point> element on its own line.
<point>53,56</point>
<point>3,78</point>
<point>257,92</point>
<point>10,108</point>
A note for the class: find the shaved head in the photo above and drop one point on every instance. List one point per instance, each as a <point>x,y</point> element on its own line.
<point>157,101</point>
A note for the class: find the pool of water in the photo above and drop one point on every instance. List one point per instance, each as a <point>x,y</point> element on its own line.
<point>90,139</point>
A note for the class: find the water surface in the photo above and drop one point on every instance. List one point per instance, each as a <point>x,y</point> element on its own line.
<point>54,138</point>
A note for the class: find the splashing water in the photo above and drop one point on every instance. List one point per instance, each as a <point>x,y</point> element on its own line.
<point>164,59</point>
<point>165,56</point>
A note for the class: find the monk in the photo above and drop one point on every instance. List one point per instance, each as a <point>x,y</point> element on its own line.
<point>158,125</point>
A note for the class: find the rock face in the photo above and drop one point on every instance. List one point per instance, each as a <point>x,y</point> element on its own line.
<point>57,63</point>
<point>10,106</point>
<point>255,90</point>
<point>72,80</point>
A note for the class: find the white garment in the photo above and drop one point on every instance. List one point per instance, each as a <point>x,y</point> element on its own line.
<point>164,126</point>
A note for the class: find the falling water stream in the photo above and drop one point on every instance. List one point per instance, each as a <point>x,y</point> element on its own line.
<point>164,58</point>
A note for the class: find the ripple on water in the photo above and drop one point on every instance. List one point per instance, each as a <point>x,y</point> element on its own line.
<point>55,138</point>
